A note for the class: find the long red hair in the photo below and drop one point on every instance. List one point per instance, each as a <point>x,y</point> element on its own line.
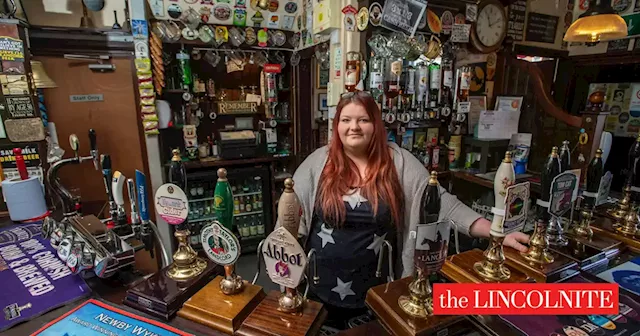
<point>340,172</point>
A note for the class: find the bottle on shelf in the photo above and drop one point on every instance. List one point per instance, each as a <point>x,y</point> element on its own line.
<point>352,73</point>
<point>260,226</point>
<point>184,69</point>
<point>434,85</point>
<point>376,76</point>
<point>435,155</point>
<point>236,205</point>
<point>254,226</point>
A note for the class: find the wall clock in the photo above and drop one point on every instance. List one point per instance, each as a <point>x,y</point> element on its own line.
<point>490,28</point>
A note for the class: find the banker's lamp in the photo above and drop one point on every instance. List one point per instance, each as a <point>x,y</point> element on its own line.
<point>599,23</point>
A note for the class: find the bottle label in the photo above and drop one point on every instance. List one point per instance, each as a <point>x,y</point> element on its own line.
<point>396,67</point>
<point>351,77</point>
<point>448,78</point>
<point>465,81</point>
<point>411,84</point>
<point>376,80</point>
<point>435,78</point>
<point>435,161</point>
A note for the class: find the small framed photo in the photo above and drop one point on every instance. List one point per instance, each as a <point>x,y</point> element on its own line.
<point>322,77</point>
<point>322,102</point>
<point>509,103</point>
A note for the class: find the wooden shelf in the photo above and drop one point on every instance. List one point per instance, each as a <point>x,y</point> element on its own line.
<point>235,162</point>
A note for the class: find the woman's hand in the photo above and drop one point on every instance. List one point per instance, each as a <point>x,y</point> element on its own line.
<point>516,239</point>
<point>482,227</point>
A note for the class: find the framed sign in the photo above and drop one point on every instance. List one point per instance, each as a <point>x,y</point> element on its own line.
<point>403,15</point>
<point>322,77</point>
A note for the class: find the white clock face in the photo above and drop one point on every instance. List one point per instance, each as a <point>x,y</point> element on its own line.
<point>490,25</point>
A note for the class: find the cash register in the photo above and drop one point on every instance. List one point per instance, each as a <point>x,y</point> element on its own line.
<point>238,145</point>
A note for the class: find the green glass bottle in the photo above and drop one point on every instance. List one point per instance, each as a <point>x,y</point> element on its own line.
<point>223,200</point>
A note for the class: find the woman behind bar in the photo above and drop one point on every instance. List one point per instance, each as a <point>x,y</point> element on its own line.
<point>359,191</point>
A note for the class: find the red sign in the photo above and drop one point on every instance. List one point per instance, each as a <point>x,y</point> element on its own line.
<point>526,299</point>
<point>272,68</point>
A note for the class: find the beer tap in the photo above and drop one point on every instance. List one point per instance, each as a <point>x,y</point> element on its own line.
<point>117,187</point>
<point>590,195</point>
<point>94,149</point>
<point>106,178</point>
<point>131,191</point>
<point>65,197</point>
<point>629,225</point>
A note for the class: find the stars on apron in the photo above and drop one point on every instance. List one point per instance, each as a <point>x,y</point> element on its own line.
<point>343,288</point>
<point>377,243</point>
<point>326,235</point>
<point>354,198</point>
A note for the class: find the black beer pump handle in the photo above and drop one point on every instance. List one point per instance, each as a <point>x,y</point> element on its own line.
<point>92,139</point>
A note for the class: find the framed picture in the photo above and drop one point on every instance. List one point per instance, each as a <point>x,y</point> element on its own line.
<point>322,102</point>
<point>509,103</point>
<point>322,77</point>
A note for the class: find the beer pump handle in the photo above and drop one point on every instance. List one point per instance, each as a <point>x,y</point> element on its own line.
<point>131,190</point>
<point>105,162</point>
<point>392,276</point>
<point>141,186</point>
<point>94,149</point>
<point>255,277</point>
<point>74,143</point>
<point>117,186</point>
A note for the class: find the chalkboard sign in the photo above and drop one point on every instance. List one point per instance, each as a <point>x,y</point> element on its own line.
<point>541,28</point>
<point>515,27</point>
<point>20,107</point>
<point>403,15</point>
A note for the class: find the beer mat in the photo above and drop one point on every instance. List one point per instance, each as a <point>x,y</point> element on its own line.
<point>24,130</point>
<point>627,275</point>
<point>626,323</point>
<point>93,318</point>
<point>34,280</point>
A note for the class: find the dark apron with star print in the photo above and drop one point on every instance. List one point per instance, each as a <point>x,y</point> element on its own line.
<point>347,257</point>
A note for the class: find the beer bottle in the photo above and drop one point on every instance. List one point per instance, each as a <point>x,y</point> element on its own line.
<point>594,175</point>
<point>223,200</point>
<point>430,205</point>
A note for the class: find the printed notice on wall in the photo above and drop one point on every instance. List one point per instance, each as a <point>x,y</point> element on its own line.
<point>541,28</point>
<point>515,27</point>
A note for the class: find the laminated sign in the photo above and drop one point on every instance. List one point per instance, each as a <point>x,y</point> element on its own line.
<point>403,15</point>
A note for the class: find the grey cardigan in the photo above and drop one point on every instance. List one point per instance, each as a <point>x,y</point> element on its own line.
<point>414,178</point>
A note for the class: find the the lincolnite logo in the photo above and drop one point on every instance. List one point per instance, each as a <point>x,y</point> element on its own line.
<point>273,68</point>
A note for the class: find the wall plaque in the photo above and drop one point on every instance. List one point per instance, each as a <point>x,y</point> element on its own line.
<point>237,107</point>
<point>20,107</point>
<point>541,28</point>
